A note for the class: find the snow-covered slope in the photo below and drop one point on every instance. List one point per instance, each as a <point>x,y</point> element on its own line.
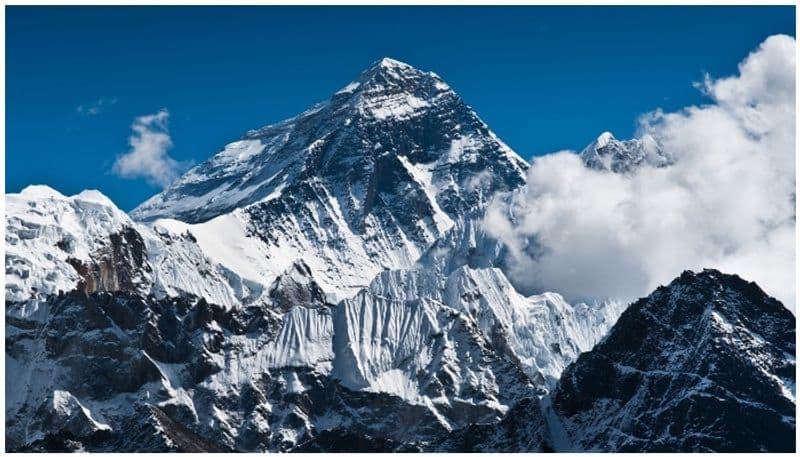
<point>55,244</point>
<point>543,332</point>
<point>45,229</point>
<point>388,327</point>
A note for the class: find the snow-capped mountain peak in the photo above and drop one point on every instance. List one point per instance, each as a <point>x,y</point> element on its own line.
<point>346,138</point>
<point>388,62</point>
<point>390,72</point>
<point>390,69</point>
<point>383,72</point>
<point>603,139</point>
<point>606,153</point>
<point>374,175</point>
<point>39,219</point>
<point>57,243</point>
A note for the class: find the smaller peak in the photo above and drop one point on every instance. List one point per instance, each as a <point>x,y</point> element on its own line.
<point>593,150</point>
<point>43,192</point>
<point>388,69</point>
<point>388,62</point>
<point>94,196</point>
<point>604,139</point>
<point>35,191</point>
<point>705,275</point>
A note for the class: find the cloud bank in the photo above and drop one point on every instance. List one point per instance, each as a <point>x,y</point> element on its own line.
<point>148,157</point>
<point>728,202</point>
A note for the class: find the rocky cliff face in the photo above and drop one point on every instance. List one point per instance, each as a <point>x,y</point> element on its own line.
<point>704,364</point>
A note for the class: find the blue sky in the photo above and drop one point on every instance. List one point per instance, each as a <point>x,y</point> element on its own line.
<point>544,78</point>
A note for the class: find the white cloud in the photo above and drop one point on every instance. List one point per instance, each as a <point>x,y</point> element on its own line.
<point>726,203</point>
<point>96,107</point>
<point>147,157</point>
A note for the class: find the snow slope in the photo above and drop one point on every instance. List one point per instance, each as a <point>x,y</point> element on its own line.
<point>55,244</point>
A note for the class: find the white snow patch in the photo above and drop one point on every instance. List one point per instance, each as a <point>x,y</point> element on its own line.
<point>350,88</point>
<point>225,240</point>
<point>66,405</point>
<point>424,177</point>
<point>395,382</point>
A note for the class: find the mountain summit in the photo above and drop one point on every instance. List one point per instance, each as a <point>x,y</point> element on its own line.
<point>392,118</point>
<point>365,181</point>
<point>388,71</point>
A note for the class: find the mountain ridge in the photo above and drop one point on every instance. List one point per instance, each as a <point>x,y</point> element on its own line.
<point>388,91</point>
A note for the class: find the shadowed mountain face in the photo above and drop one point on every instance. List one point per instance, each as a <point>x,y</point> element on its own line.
<point>326,283</point>
<point>397,141</point>
<point>704,364</point>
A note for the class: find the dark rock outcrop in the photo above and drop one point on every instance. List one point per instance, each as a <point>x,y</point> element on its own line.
<point>706,363</point>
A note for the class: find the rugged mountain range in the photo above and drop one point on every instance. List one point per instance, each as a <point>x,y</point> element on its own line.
<point>704,364</point>
<point>325,283</point>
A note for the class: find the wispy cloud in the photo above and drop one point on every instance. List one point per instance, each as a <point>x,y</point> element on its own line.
<point>96,107</point>
<point>148,156</point>
<point>726,203</point>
